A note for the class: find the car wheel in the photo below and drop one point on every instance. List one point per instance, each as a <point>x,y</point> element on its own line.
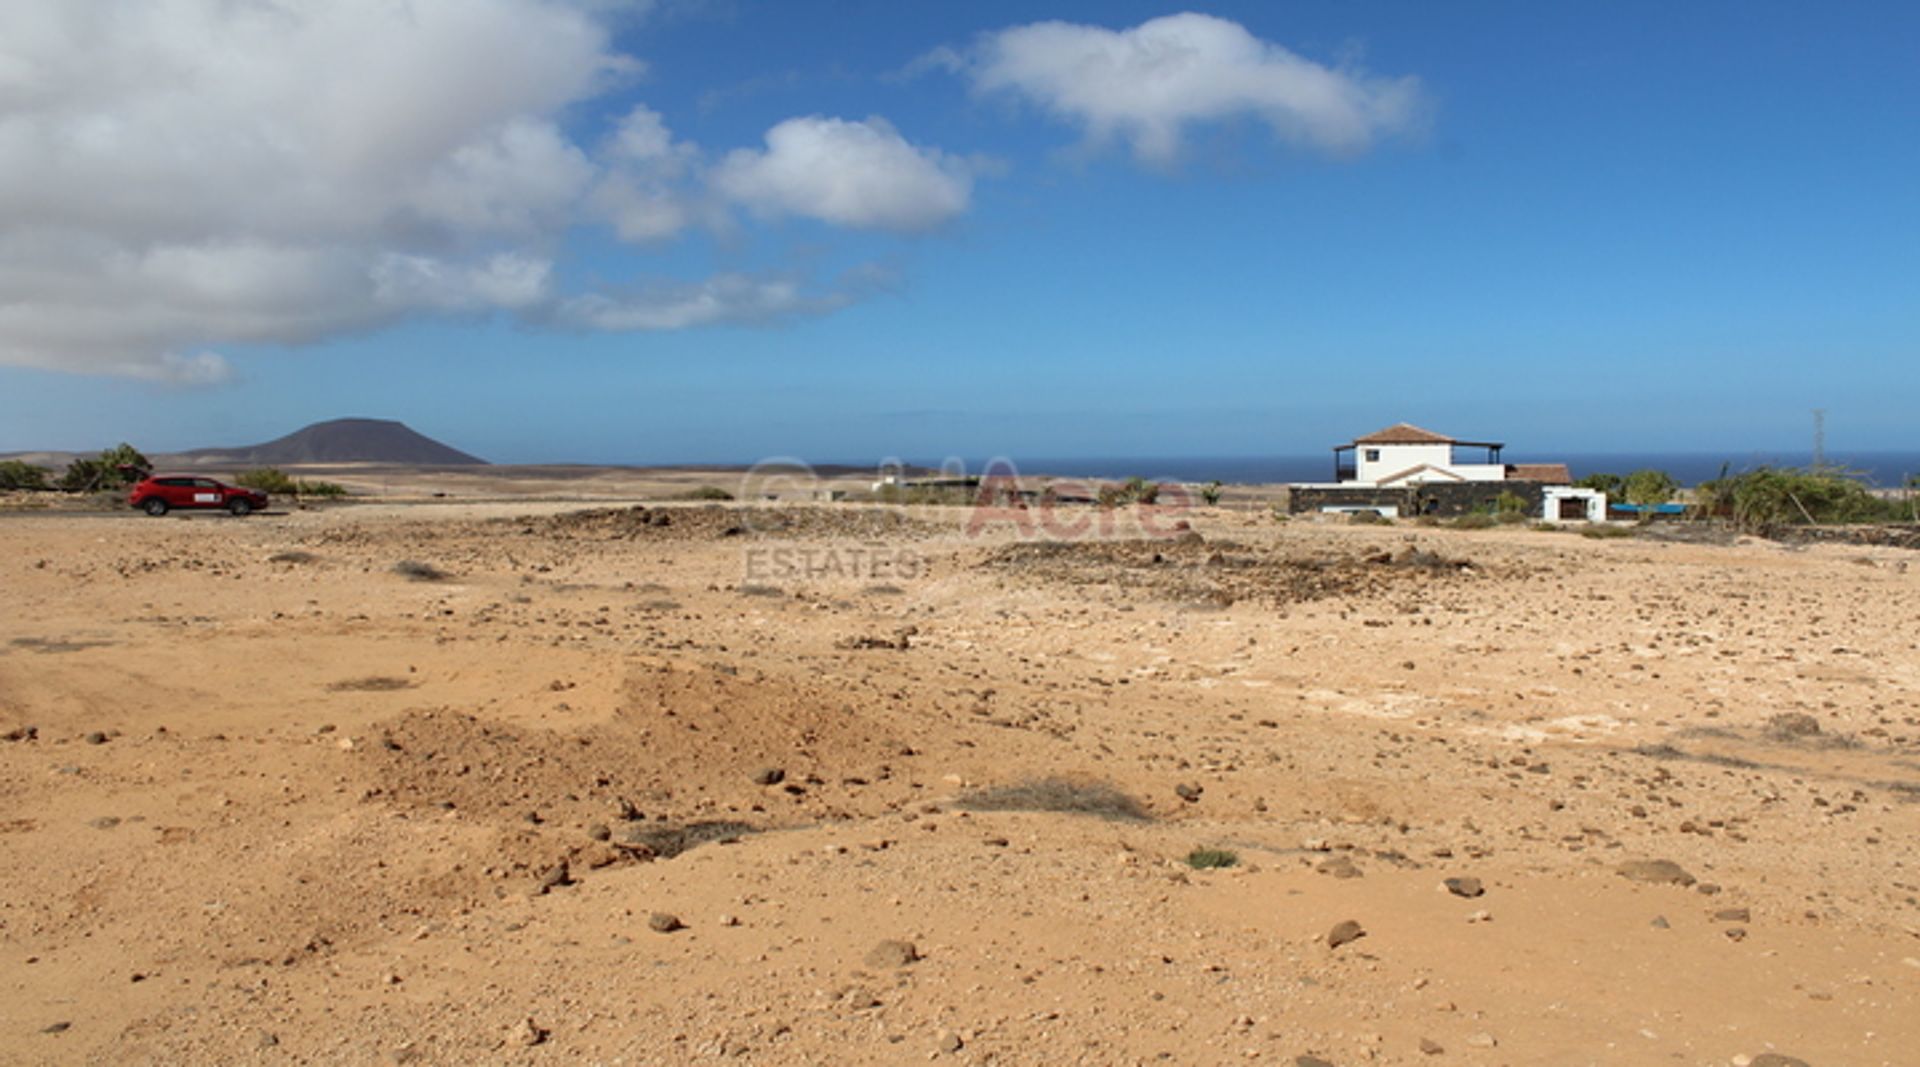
<point>154,506</point>
<point>240,506</point>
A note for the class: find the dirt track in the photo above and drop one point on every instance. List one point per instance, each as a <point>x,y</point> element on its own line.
<point>281,803</point>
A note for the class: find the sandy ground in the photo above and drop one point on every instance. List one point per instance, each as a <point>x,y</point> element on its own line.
<point>686,784</point>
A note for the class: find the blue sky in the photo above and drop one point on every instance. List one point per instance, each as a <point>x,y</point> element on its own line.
<point>1584,227</point>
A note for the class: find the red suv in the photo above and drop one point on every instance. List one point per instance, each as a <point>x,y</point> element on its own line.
<point>157,494</point>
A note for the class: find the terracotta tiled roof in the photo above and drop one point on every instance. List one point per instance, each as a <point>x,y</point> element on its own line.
<point>1403,433</point>
<point>1550,473</point>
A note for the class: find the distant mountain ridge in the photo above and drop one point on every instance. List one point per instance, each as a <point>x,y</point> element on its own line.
<point>344,441</point>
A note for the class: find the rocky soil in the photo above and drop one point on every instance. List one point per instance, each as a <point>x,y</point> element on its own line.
<point>837,784</point>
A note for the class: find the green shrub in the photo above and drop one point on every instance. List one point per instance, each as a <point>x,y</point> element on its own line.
<point>275,481</point>
<point>1600,531</point>
<point>1649,487</point>
<point>1201,859</point>
<point>1477,521</point>
<point>1509,503</point>
<point>16,474</point>
<point>1210,493</point>
<point>1770,497</point>
<point>267,480</point>
<point>117,467</point>
<point>1135,490</point>
<point>1609,484</point>
<point>1368,518</point>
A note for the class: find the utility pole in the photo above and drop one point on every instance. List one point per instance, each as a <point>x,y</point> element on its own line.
<point>1819,438</point>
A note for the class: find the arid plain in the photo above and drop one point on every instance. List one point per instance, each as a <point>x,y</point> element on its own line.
<point>541,782</point>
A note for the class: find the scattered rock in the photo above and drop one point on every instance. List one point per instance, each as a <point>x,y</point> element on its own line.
<point>947,1041</point>
<point>600,832</point>
<point>661,922</point>
<point>555,876</point>
<point>1792,726</point>
<point>1775,1059</point>
<point>1733,915</point>
<point>1464,887</point>
<point>104,822</point>
<point>1311,1061</point>
<point>1655,872</point>
<point>56,1028</point>
<point>1482,1040</point>
<point>96,738</point>
<point>892,953</point>
<point>1431,1047</point>
<point>1188,793</point>
<point>769,776</point>
<point>528,1034</point>
<point>21,733</point>
<point>1344,932</point>
<point>1341,866</point>
<point>263,1039</point>
<point>1660,923</point>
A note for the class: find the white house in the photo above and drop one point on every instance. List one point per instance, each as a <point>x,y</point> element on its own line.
<point>1405,454</point>
<point>1404,466</point>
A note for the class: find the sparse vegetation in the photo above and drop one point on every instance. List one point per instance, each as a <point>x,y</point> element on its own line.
<point>16,474</point>
<point>1204,859</point>
<point>1057,794</point>
<point>1601,531</point>
<point>706,492</point>
<point>294,556</point>
<point>1478,520</point>
<point>1609,484</point>
<point>1368,518</point>
<point>1763,500</point>
<point>951,495</point>
<point>375,684</point>
<point>274,481</point>
<point>1509,508</point>
<point>117,467</point>
<point>1135,490</point>
<point>417,571</point>
<point>1649,488</point>
<point>1210,493</point>
<point>669,840</point>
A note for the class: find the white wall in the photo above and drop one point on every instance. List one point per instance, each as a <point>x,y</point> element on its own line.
<point>1594,499</point>
<point>1396,458</point>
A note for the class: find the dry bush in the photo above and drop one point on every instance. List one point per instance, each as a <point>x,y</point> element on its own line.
<point>375,684</point>
<point>417,571</point>
<point>667,840</point>
<point>1057,794</point>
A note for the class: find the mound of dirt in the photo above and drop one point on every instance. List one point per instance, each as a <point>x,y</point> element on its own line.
<point>716,522</point>
<point>1221,572</point>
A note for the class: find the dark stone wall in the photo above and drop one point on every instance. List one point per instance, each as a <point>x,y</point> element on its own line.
<point>1445,499</point>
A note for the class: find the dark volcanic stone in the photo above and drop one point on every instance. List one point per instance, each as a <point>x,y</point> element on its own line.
<point>1656,872</point>
<point>1344,932</point>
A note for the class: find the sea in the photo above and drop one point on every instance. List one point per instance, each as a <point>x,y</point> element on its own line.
<point>1885,470</point>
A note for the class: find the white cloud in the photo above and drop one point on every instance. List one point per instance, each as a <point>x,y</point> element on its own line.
<point>857,174</point>
<point>644,194</point>
<point>180,175</point>
<point>1147,84</point>
<point>188,173</point>
<point>724,299</point>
